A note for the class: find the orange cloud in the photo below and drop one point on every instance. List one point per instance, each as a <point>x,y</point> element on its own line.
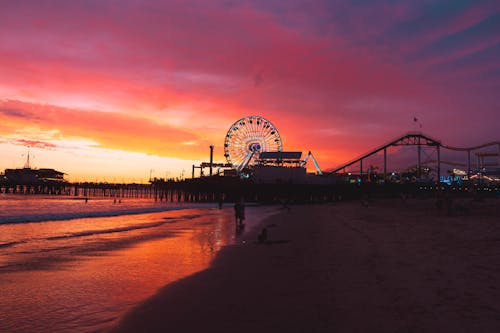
<point>109,130</point>
<point>34,143</point>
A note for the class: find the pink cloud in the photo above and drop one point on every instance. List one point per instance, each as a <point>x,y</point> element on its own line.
<point>33,143</point>
<point>110,130</point>
<point>330,77</point>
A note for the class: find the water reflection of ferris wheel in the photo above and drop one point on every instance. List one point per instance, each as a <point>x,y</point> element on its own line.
<point>247,138</point>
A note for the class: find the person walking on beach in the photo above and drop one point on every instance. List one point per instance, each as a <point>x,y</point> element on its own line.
<point>262,237</point>
<point>239,214</point>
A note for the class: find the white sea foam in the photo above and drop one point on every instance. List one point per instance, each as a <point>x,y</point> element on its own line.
<point>78,215</point>
<point>26,209</point>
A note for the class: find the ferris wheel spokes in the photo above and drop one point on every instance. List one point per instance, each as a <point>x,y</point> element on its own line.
<point>247,138</point>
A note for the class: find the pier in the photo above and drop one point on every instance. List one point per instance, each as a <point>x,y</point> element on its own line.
<point>346,181</point>
<point>86,189</point>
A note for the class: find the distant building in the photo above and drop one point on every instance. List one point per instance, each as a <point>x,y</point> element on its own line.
<point>33,176</point>
<point>280,158</point>
<point>278,174</point>
<point>279,167</point>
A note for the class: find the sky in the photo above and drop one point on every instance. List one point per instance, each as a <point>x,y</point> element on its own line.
<point>121,90</point>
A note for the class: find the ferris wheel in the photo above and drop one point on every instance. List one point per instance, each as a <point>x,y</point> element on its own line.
<point>247,138</point>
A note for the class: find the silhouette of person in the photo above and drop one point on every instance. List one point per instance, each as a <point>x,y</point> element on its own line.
<point>239,213</point>
<point>262,238</point>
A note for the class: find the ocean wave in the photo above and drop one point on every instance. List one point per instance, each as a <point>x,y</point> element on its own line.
<point>109,231</point>
<point>79,215</point>
<point>9,244</point>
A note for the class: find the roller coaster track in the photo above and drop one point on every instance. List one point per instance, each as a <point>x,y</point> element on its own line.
<point>492,143</point>
<point>410,139</point>
<point>452,163</point>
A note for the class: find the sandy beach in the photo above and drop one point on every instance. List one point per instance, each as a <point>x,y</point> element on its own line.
<point>393,266</point>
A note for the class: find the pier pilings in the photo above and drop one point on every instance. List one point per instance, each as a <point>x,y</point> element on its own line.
<point>220,189</point>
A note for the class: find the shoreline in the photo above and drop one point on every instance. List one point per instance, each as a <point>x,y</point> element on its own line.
<point>103,267</point>
<point>96,209</point>
<point>390,267</point>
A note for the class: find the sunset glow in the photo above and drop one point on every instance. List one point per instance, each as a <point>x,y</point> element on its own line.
<point>121,90</point>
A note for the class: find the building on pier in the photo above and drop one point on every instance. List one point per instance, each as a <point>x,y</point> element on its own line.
<point>29,176</point>
<point>279,167</point>
<point>33,176</point>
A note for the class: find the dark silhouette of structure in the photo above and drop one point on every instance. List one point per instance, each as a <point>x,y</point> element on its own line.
<point>418,139</point>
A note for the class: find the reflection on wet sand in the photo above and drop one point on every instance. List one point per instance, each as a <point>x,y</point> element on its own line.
<point>80,276</point>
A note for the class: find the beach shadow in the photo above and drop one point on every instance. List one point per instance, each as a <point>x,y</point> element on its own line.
<point>271,242</point>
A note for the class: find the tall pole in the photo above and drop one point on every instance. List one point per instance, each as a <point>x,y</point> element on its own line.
<point>439,163</point>
<point>385,164</point>
<point>192,173</point>
<point>499,155</point>
<point>419,175</point>
<point>468,164</point>
<point>211,157</point>
<point>479,168</point>
<point>361,169</point>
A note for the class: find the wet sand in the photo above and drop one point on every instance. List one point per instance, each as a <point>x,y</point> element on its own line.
<point>390,267</point>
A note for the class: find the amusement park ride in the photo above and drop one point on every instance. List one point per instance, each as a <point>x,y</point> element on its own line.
<point>253,145</point>
<point>422,141</point>
<point>247,138</point>
<point>253,148</point>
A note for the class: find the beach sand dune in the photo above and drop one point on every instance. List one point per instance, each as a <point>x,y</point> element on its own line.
<point>390,267</point>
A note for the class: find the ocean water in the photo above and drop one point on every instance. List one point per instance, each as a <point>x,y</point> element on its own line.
<point>71,266</point>
<point>25,208</point>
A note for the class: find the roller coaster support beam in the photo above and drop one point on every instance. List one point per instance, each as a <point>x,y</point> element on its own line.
<point>419,166</point>
<point>438,152</point>
<point>385,164</point>
<point>468,163</point>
